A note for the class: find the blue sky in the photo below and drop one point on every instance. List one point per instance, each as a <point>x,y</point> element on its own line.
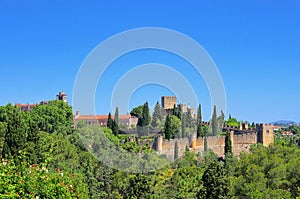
<point>255,44</point>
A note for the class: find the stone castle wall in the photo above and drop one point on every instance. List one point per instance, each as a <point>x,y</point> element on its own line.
<point>241,142</point>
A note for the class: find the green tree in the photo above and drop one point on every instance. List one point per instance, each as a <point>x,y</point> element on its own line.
<point>176,151</point>
<point>189,121</point>
<point>229,158</point>
<point>16,135</point>
<point>214,121</point>
<point>183,126</point>
<point>137,111</point>
<point>54,117</point>
<point>109,121</point>
<point>221,120</point>
<point>232,122</point>
<point>172,126</point>
<point>157,116</point>
<point>215,181</point>
<point>167,129</point>
<point>38,181</point>
<point>115,128</point>
<point>179,111</point>
<point>228,144</point>
<point>199,122</point>
<point>139,187</point>
<point>146,118</point>
<point>144,121</point>
<point>116,117</point>
<point>174,110</point>
<point>3,128</point>
<point>205,132</point>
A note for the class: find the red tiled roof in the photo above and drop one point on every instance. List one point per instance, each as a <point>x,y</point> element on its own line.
<point>25,105</point>
<point>99,117</point>
<point>287,133</point>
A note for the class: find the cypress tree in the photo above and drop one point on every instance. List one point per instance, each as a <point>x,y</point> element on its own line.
<point>189,120</point>
<point>16,135</point>
<point>174,110</point>
<point>183,126</point>
<point>179,112</point>
<point>199,122</point>
<point>167,128</point>
<point>116,118</point>
<point>157,116</point>
<point>228,144</point>
<point>109,121</point>
<point>115,128</point>
<point>229,160</point>
<point>146,118</point>
<point>215,122</point>
<point>176,151</point>
<point>215,181</point>
<point>205,143</point>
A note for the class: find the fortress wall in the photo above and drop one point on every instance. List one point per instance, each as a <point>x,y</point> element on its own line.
<point>240,142</point>
<point>170,144</point>
<point>249,138</point>
<point>200,142</point>
<point>168,147</point>
<point>215,141</point>
<point>239,148</point>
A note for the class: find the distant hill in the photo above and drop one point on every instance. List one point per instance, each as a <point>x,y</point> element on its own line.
<point>284,123</point>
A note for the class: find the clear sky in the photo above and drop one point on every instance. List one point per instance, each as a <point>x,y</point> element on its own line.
<point>254,43</point>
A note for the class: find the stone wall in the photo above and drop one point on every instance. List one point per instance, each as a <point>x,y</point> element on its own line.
<point>241,139</point>
<point>168,146</point>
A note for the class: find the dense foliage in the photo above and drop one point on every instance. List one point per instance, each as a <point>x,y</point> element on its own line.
<point>44,157</point>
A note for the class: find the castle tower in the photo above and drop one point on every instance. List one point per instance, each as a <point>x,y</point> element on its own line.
<point>62,96</point>
<point>265,134</point>
<point>168,102</point>
<point>159,142</point>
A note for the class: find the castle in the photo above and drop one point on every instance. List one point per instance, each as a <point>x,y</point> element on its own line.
<point>242,138</point>
<point>28,107</point>
<point>168,103</point>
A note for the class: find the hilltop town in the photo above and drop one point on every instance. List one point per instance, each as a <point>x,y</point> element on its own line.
<point>184,135</point>
<point>173,145</point>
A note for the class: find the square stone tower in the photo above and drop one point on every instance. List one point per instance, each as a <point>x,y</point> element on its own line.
<point>168,102</point>
<point>62,96</point>
<point>265,134</point>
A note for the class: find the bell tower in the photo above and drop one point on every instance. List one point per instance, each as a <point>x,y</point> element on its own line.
<point>62,96</point>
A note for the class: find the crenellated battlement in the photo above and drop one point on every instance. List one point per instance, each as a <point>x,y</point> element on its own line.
<point>241,138</point>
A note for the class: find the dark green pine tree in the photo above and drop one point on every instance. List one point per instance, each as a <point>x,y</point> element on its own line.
<point>16,135</point>
<point>146,118</point>
<point>199,123</point>
<point>228,144</point>
<point>109,121</point>
<point>176,151</point>
<point>179,111</point>
<point>167,128</point>
<point>205,144</point>
<point>116,118</point>
<point>115,128</point>
<point>215,181</point>
<point>175,110</point>
<point>183,126</point>
<point>157,116</point>
<point>205,132</point>
<point>214,121</point>
<point>32,142</point>
<point>189,121</point>
<point>229,159</point>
